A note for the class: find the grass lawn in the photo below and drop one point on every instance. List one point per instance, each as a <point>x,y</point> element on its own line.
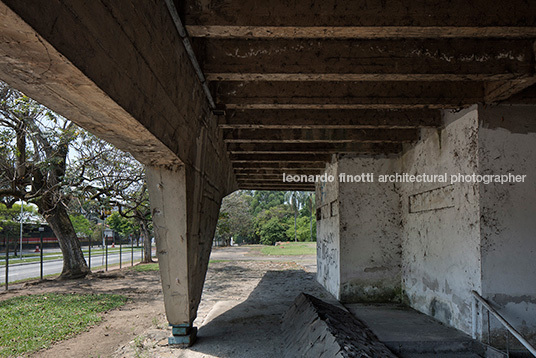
<point>30,323</point>
<point>290,248</point>
<point>146,267</point>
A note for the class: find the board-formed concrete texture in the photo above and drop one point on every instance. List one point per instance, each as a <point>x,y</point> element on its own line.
<point>219,95</point>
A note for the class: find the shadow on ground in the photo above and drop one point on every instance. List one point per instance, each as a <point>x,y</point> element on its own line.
<point>253,328</point>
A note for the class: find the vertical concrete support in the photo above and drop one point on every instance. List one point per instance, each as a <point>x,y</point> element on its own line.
<point>327,232</point>
<point>359,231</point>
<point>167,190</point>
<point>185,213</point>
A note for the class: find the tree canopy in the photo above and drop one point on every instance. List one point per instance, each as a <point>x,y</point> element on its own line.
<point>266,217</point>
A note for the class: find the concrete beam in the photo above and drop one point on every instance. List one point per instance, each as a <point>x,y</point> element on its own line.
<point>376,13</point>
<point>321,135</point>
<point>279,165</point>
<point>88,62</point>
<point>279,157</point>
<point>276,171</point>
<point>359,32</point>
<point>242,177</point>
<point>34,66</point>
<point>274,187</point>
<point>120,70</point>
<point>286,119</point>
<point>320,147</point>
<point>361,60</point>
<point>347,95</point>
<point>502,90</point>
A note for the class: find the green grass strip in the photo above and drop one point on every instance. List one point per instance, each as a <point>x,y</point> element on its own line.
<point>33,322</point>
<point>290,249</point>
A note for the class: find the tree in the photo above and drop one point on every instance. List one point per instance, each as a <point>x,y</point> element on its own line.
<point>272,224</point>
<point>264,200</point>
<point>34,144</point>
<point>82,226</point>
<point>120,224</point>
<point>296,199</point>
<point>310,200</point>
<point>235,218</point>
<point>114,179</point>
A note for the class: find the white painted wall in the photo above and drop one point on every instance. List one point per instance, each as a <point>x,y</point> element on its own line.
<point>327,233</point>
<point>441,242</point>
<point>369,232</point>
<point>507,143</point>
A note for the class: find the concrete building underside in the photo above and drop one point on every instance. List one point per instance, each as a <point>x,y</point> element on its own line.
<point>215,96</point>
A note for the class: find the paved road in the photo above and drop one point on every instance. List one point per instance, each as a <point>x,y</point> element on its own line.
<point>30,270</point>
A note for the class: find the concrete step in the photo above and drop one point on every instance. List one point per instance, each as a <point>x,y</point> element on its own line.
<point>409,333</point>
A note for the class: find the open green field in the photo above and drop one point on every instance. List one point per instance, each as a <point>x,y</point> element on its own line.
<point>290,249</point>
<point>30,323</point>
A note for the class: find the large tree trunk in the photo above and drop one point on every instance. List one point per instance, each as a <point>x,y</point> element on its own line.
<point>74,264</point>
<point>147,249</point>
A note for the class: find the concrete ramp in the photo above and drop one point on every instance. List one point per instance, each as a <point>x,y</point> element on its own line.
<point>314,328</point>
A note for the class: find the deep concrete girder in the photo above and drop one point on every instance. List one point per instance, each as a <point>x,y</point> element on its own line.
<point>120,70</point>
<point>347,94</point>
<point>320,147</point>
<point>321,135</point>
<point>377,13</point>
<point>342,118</point>
<point>366,60</point>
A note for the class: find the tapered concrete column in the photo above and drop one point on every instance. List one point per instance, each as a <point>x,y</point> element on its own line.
<point>167,190</point>
<point>185,213</point>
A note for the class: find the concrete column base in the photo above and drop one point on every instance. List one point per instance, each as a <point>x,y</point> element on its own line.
<point>184,335</point>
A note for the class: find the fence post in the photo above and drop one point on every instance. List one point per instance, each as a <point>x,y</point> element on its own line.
<point>6,241</point>
<point>120,253</point>
<point>41,229</point>
<point>131,251</point>
<point>106,243</point>
<point>89,252</point>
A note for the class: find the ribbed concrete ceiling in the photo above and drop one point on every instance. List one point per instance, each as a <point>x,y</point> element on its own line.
<point>302,80</point>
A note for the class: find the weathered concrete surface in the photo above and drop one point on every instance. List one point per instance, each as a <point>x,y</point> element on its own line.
<point>453,237</point>
<point>314,328</point>
<point>358,232</point>
<point>441,239</point>
<point>34,66</point>
<point>506,143</point>
<point>359,13</point>
<point>409,333</point>
<point>370,230</point>
<point>185,211</point>
<point>328,233</point>
<point>133,85</point>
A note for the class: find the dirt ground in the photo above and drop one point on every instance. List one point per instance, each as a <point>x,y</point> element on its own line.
<point>243,300</point>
